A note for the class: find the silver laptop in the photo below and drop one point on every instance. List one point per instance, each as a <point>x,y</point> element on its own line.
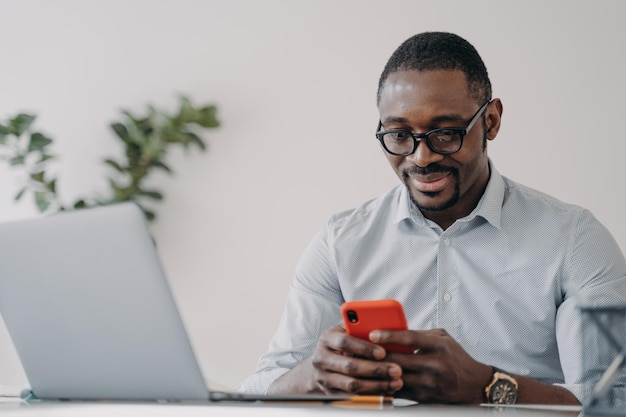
<point>88,307</point>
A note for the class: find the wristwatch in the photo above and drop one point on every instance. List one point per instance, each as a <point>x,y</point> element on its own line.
<point>502,389</point>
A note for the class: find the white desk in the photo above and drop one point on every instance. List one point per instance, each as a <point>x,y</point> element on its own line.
<point>117,409</point>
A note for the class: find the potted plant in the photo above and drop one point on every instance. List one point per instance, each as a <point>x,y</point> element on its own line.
<point>147,139</point>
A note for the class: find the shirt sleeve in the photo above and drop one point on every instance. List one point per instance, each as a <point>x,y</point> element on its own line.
<point>595,275</point>
<point>312,306</point>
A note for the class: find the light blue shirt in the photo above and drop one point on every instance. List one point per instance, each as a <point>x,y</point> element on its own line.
<point>502,281</point>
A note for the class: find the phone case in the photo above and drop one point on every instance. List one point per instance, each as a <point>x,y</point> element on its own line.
<point>361,317</point>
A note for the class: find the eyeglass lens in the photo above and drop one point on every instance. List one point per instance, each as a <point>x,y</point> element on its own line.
<point>441,140</point>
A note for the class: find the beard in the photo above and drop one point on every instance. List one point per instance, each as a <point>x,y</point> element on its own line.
<point>406,174</point>
<point>456,194</point>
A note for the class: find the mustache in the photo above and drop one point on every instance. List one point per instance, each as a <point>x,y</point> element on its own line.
<point>430,169</point>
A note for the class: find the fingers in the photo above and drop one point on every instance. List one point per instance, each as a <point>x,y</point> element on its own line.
<point>332,383</point>
<point>356,367</point>
<point>342,363</point>
<point>422,340</point>
<point>440,371</point>
<point>425,389</point>
<point>336,339</point>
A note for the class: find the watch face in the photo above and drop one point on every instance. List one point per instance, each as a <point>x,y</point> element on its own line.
<point>503,392</point>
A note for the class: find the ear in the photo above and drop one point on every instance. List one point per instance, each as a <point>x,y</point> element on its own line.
<point>493,117</point>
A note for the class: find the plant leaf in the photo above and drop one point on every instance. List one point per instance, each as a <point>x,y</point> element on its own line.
<point>186,114</point>
<point>130,116</point>
<point>145,126</point>
<point>160,164</point>
<point>133,154</point>
<point>80,204</point>
<point>52,185</point>
<point>153,194</point>
<point>121,131</point>
<point>38,142</point>
<point>4,131</point>
<point>148,213</point>
<point>20,123</point>
<point>17,160</point>
<point>207,117</point>
<point>120,193</point>
<point>45,157</point>
<point>195,139</point>
<point>38,176</point>
<point>20,193</point>
<point>114,164</point>
<point>41,200</point>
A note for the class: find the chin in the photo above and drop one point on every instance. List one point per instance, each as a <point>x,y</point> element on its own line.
<point>434,201</point>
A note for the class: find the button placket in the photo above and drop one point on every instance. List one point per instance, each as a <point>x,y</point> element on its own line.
<point>447,290</point>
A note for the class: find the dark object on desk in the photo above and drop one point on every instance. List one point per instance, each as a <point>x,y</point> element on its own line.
<point>599,404</point>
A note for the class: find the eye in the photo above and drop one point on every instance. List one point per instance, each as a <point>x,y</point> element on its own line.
<point>444,136</point>
<point>399,136</point>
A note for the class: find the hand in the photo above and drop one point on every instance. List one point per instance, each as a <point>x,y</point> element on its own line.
<point>440,371</point>
<point>345,364</point>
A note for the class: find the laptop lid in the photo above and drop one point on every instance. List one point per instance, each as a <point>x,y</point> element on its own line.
<point>87,304</point>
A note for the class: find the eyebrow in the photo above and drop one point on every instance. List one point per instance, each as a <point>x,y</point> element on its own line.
<point>449,118</point>
<point>435,120</point>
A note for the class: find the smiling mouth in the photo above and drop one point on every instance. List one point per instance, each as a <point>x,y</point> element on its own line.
<point>431,183</point>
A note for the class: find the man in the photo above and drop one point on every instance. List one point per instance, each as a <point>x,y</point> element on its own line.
<point>489,272</point>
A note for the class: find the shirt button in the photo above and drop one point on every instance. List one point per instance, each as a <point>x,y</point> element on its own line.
<point>446,242</point>
<point>447,297</point>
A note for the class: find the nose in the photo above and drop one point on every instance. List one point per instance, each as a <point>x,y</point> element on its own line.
<point>423,156</point>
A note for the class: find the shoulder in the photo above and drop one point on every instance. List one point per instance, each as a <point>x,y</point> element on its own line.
<point>530,201</point>
<point>545,218</point>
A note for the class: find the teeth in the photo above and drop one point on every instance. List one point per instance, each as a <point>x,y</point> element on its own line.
<point>430,178</point>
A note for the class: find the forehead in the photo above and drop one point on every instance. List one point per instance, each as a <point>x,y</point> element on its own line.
<point>425,92</point>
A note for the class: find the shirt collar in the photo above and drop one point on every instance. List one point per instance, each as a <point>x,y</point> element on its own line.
<point>489,206</point>
<point>405,207</point>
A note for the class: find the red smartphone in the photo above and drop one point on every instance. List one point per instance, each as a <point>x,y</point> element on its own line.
<point>363,316</point>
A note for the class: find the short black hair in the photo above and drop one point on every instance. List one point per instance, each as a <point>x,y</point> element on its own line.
<point>440,51</point>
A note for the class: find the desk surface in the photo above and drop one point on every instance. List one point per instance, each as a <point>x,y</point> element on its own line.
<point>97,409</point>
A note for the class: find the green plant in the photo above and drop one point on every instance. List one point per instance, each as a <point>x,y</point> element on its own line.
<point>146,140</point>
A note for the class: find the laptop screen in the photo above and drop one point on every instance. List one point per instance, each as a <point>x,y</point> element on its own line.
<point>87,304</point>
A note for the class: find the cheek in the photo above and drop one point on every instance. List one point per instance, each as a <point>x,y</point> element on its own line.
<point>471,167</point>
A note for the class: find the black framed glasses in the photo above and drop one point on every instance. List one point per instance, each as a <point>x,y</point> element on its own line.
<point>443,141</point>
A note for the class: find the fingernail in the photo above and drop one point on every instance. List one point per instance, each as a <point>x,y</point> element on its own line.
<point>395,372</point>
<point>374,336</point>
<point>379,353</point>
<point>396,385</point>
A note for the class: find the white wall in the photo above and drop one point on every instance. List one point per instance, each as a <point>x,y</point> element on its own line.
<point>295,83</point>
